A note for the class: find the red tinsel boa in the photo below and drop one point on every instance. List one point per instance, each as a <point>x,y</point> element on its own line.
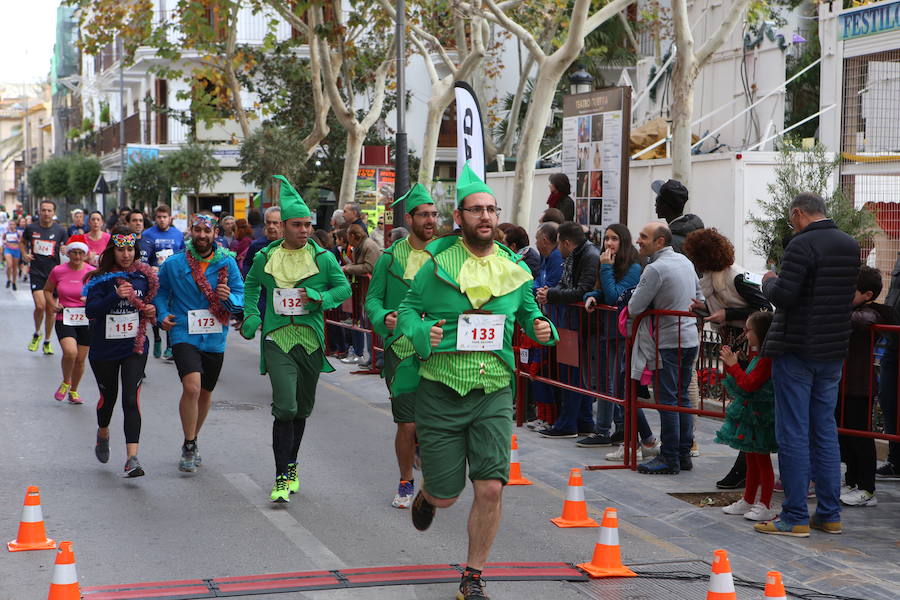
<point>140,303</point>
<point>215,303</point>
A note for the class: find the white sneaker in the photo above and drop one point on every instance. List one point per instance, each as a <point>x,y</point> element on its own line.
<point>537,424</point>
<point>759,512</point>
<point>351,358</point>
<point>741,507</point>
<point>650,450</point>
<point>647,452</point>
<point>846,489</point>
<point>404,497</point>
<point>859,497</point>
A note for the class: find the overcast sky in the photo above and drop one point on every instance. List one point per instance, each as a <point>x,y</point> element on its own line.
<point>27,34</point>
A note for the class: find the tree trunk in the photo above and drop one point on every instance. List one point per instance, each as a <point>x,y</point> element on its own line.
<point>355,137</point>
<point>441,97</point>
<point>231,76</point>
<point>682,110</point>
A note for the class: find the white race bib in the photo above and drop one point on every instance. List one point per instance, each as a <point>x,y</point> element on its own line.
<point>74,316</point>
<point>202,322</point>
<point>122,326</point>
<point>12,238</point>
<point>44,247</point>
<point>480,332</point>
<point>162,255</point>
<point>287,301</point>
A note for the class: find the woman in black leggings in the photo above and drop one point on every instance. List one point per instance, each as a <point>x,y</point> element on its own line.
<point>119,309</point>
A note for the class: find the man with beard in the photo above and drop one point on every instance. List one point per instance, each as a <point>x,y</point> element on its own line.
<point>460,313</point>
<point>39,246</point>
<point>299,280</point>
<point>393,274</point>
<point>199,289</point>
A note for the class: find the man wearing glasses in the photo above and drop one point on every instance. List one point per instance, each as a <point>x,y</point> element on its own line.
<point>393,274</point>
<point>459,314</point>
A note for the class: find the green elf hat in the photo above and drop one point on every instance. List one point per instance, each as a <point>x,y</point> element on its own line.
<point>292,204</point>
<point>415,197</point>
<point>470,183</point>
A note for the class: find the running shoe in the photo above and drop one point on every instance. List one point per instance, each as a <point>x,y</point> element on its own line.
<point>404,495</point>
<point>14,286</point>
<point>62,392</point>
<point>168,354</point>
<point>471,587</point>
<point>658,466</point>
<point>695,449</point>
<point>832,527</point>
<point>887,472</point>
<point>779,527</point>
<point>740,507</point>
<point>597,440</point>
<point>537,424</point>
<point>35,342</point>
<point>760,512</point>
<point>74,398</point>
<point>858,497</point>
<point>101,450</point>
<point>293,478</point>
<point>133,467</point>
<point>48,349</point>
<point>157,348</point>
<point>351,358</point>
<point>188,462</point>
<point>197,460</point>
<point>550,432</point>
<point>422,512</point>
<point>281,490</point>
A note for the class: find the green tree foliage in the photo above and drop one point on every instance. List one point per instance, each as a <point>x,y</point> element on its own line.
<point>56,177</point>
<point>193,167</point>
<point>804,171</point>
<point>36,181</point>
<point>147,181</point>
<point>83,173</point>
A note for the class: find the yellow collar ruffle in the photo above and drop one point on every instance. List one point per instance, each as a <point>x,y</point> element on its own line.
<point>482,278</point>
<point>414,262</point>
<point>288,267</point>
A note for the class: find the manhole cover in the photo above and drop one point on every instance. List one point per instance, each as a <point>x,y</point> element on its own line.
<point>225,405</point>
<point>702,499</point>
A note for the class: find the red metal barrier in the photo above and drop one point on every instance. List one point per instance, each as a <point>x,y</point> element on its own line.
<point>352,316</point>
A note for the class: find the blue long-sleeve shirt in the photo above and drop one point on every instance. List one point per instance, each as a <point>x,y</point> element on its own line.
<point>160,244</point>
<point>611,288</point>
<point>102,300</point>
<point>178,293</point>
<point>550,271</point>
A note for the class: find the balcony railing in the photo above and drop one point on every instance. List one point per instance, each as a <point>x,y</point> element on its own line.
<point>109,136</point>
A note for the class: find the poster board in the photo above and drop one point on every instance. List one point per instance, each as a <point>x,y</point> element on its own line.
<point>596,130</point>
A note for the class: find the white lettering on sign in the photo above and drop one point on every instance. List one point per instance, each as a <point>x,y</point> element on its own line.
<point>287,301</point>
<point>480,332</point>
<point>119,327</point>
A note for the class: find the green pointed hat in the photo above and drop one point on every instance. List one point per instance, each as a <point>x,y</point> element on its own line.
<point>470,183</point>
<point>292,204</point>
<point>415,197</point>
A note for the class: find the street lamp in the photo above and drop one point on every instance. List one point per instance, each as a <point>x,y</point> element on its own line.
<point>580,81</point>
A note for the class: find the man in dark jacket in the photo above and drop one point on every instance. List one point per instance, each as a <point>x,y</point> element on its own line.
<point>807,343</point>
<point>671,196</point>
<point>581,258</point>
<point>887,384</point>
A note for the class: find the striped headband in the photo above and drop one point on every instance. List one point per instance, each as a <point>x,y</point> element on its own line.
<point>123,241</point>
<point>204,221</point>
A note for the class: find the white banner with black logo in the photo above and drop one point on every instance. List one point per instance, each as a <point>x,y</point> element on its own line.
<point>469,133</point>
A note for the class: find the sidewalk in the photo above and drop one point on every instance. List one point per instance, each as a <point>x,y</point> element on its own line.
<point>860,563</point>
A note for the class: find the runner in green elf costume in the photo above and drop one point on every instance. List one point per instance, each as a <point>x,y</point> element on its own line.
<point>460,314</point>
<point>299,280</point>
<point>391,279</point>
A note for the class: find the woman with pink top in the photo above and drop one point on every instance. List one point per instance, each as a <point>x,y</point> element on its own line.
<point>96,239</point>
<point>63,299</point>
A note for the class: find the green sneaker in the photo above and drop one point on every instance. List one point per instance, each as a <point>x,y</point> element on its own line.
<point>280,492</point>
<point>168,354</point>
<point>48,349</point>
<point>157,348</point>
<point>35,342</point>
<point>293,479</point>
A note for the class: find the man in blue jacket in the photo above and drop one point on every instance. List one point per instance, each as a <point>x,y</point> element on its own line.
<point>159,243</point>
<point>199,289</point>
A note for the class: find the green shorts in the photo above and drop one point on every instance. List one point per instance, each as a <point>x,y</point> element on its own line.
<point>294,376</point>
<point>403,406</point>
<point>453,431</point>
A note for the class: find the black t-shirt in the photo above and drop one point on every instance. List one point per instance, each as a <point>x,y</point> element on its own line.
<point>76,230</point>
<point>44,243</point>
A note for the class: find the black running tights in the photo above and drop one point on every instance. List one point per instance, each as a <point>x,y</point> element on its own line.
<point>286,438</point>
<point>107,373</point>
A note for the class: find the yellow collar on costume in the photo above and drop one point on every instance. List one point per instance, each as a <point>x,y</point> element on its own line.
<point>414,262</point>
<point>288,267</point>
<point>482,278</point>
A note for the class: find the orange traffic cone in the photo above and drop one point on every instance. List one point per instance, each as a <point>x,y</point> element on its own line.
<point>515,468</point>
<point>65,581</point>
<point>721,585</point>
<point>32,535</point>
<point>607,560</point>
<point>774,588</point>
<point>574,513</point>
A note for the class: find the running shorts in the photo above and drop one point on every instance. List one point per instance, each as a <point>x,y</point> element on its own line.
<point>38,281</point>
<point>14,252</point>
<point>81,333</point>
<point>188,359</point>
<point>455,431</point>
<point>403,406</point>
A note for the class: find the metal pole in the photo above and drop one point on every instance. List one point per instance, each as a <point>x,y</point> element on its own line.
<point>120,50</point>
<point>401,183</point>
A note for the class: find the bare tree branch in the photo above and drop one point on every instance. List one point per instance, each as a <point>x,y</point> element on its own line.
<point>517,30</point>
<point>600,17</point>
<point>712,44</point>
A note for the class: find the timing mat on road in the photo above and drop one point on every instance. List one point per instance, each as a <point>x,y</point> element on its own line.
<point>307,581</point>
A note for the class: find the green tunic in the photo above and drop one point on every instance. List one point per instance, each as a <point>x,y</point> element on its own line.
<point>326,289</point>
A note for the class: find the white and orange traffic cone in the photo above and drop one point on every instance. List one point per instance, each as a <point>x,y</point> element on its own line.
<point>574,513</point>
<point>607,559</point>
<point>32,535</point>
<point>515,468</point>
<point>721,584</point>
<point>774,587</point>
<point>65,580</point>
